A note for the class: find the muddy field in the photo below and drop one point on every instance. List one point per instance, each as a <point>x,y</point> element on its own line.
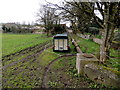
<point>40,67</point>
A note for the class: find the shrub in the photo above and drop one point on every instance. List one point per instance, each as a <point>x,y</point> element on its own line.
<point>59,29</point>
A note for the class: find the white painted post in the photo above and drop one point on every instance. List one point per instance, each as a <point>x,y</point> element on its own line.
<point>83,59</point>
<point>78,62</point>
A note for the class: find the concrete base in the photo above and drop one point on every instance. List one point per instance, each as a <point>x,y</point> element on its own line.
<point>83,59</point>
<point>101,75</point>
<point>87,65</point>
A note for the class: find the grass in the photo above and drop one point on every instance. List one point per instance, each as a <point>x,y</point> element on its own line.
<point>29,73</point>
<point>20,74</point>
<point>17,58</point>
<point>24,75</point>
<point>12,43</point>
<point>88,46</point>
<point>98,36</point>
<point>46,57</point>
<point>65,68</point>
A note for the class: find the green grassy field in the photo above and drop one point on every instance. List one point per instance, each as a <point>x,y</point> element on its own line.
<point>12,43</point>
<point>27,68</point>
<point>62,73</point>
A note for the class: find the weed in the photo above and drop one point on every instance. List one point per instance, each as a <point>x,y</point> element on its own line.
<point>52,84</point>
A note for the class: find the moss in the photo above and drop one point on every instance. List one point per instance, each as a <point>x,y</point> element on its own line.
<point>115,42</point>
<point>46,57</point>
<point>107,68</point>
<point>116,72</point>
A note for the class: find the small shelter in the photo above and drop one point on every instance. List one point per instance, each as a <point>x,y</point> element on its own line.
<point>61,42</point>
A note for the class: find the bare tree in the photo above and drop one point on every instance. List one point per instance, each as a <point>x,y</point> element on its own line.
<point>47,15</point>
<point>85,13</point>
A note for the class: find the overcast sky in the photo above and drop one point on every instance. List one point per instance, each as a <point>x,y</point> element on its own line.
<point>20,10</point>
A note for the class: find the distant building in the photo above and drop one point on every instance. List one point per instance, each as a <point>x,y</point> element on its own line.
<point>10,25</point>
<point>1,28</point>
<point>37,29</point>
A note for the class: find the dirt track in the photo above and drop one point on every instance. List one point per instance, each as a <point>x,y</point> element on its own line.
<point>15,64</point>
<point>36,51</point>
<point>35,67</point>
<point>44,82</point>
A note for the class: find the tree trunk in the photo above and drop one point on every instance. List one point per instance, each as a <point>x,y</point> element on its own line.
<point>108,31</point>
<point>103,51</point>
<point>103,48</point>
<point>47,32</point>
<point>106,43</point>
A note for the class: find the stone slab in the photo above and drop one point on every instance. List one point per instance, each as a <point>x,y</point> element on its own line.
<point>101,75</point>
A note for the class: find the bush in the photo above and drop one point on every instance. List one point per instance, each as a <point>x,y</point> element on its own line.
<point>93,30</point>
<point>98,36</point>
<point>117,36</point>
<point>13,29</point>
<point>59,28</point>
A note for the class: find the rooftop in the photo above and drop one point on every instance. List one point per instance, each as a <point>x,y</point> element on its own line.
<point>61,35</point>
